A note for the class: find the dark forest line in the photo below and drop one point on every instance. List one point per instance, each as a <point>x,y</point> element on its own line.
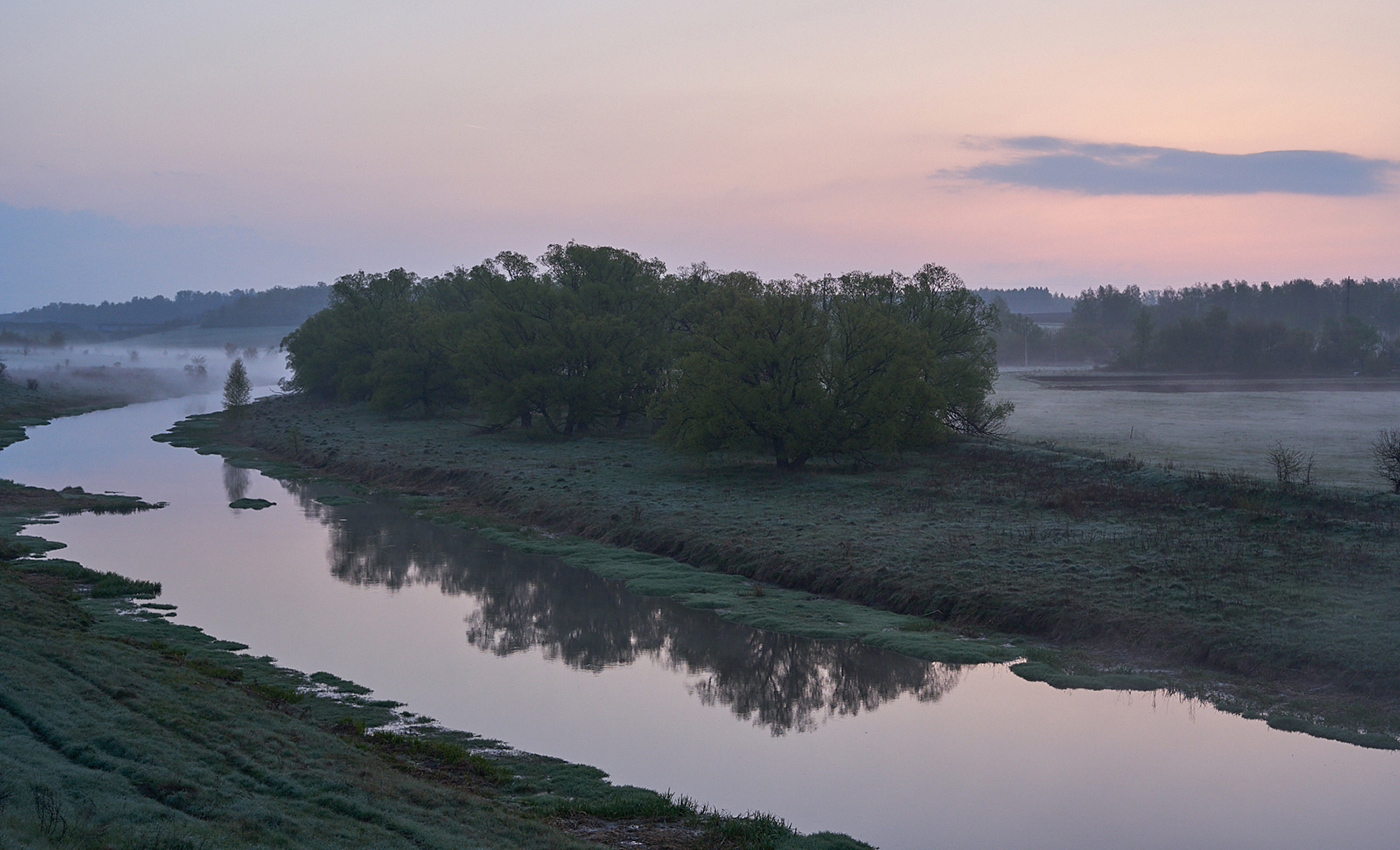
<point>1298,328</point>
<point>57,323</point>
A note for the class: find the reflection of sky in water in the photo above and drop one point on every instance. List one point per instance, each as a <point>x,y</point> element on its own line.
<point>894,751</point>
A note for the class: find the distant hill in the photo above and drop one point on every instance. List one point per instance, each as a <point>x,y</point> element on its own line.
<point>185,308</point>
<point>238,308</point>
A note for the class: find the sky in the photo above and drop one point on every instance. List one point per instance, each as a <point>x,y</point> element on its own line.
<point>150,147</point>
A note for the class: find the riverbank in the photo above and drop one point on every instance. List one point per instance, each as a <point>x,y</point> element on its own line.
<point>1270,602</point>
<point>27,400</point>
<point>123,729</point>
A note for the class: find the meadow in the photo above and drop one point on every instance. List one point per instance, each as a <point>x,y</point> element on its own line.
<point>1224,430</point>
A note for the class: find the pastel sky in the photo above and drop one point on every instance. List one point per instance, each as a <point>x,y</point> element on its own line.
<point>148,147</point>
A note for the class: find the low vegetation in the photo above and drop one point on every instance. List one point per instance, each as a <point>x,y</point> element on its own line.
<point>33,397</point>
<point>1385,451</point>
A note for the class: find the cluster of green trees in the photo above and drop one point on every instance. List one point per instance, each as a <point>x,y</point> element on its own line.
<point>596,336</point>
<point>1296,328</point>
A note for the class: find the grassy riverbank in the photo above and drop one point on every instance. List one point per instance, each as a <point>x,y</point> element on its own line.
<point>124,730</point>
<point>121,729</point>
<point>1278,602</point>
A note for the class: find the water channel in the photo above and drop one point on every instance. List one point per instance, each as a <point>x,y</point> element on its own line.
<point>827,735</point>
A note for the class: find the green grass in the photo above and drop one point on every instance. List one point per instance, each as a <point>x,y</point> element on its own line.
<point>99,585</point>
<point>1328,420</point>
<point>72,393</point>
<point>1219,584</point>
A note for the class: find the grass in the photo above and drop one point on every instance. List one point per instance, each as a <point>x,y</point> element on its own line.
<point>1220,584</point>
<point>1334,419</point>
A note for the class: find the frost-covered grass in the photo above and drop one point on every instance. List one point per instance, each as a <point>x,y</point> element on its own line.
<point>1221,431</point>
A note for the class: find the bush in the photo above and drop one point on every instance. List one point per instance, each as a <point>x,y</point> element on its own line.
<point>1386,452</point>
<point>1291,466</point>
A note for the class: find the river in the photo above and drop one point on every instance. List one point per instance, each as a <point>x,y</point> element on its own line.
<point>826,735</point>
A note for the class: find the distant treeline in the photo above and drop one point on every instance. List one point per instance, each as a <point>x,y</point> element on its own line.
<point>595,336</point>
<point>238,308</point>
<point>269,308</point>
<point>1299,327</point>
<point>1031,299</point>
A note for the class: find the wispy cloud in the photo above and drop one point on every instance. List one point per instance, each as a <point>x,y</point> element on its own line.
<point>1046,162</point>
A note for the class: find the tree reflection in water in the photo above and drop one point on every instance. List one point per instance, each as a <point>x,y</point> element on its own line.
<point>236,481</point>
<point>777,681</point>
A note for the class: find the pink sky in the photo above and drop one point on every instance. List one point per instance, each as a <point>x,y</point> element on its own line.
<point>779,137</point>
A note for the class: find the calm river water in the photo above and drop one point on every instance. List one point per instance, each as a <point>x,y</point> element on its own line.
<point>827,735</point>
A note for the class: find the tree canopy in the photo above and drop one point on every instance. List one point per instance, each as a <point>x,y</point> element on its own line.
<point>589,336</point>
<point>835,366</point>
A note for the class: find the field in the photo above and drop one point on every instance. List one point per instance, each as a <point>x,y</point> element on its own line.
<point>1222,427</point>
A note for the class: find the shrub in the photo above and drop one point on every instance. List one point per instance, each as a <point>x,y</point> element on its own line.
<point>1291,466</point>
<point>1386,452</point>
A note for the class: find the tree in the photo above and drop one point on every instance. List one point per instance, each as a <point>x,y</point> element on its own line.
<point>574,343</point>
<point>836,366</point>
<point>1103,321</point>
<point>751,374</point>
<point>1386,453</point>
<point>332,353</point>
<point>238,390</point>
<point>1350,345</point>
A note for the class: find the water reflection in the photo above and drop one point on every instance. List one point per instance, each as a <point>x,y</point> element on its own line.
<point>236,481</point>
<point>780,682</point>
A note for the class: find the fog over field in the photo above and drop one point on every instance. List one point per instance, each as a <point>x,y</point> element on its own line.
<point>1222,431</point>
<point>143,369</point>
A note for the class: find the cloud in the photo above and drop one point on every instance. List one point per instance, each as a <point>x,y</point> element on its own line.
<point>1045,162</point>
